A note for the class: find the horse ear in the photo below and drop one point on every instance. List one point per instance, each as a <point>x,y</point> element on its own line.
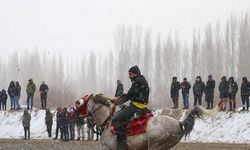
<point>91,96</point>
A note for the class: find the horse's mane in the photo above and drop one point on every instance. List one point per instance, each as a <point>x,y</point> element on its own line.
<point>100,98</point>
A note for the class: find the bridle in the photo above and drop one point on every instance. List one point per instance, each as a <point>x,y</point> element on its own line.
<point>91,116</point>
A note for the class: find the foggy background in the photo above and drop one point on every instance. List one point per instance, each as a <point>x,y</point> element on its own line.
<point>83,47</point>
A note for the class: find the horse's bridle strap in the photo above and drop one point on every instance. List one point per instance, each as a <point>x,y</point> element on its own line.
<point>107,120</point>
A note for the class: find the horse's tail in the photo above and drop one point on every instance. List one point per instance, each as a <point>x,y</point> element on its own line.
<point>188,123</point>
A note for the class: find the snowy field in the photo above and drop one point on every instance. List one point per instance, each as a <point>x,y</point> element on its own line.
<point>224,127</point>
<point>11,124</point>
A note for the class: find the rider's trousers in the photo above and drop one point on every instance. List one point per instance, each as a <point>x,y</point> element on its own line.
<point>120,119</point>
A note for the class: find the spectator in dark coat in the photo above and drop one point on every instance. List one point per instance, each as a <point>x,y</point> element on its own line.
<point>119,89</point>
<point>198,89</point>
<point>80,125</point>
<point>17,95</point>
<point>1,101</point>
<point>49,121</point>
<point>4,98</point>
<point>90,131</point>
<point>185,87</point>
<point>65,124</point>
<point>223,88</point>
<point>30,90</point>
<point>119,92</point>
<point>72,122</point>
<point>43,93</point>
<point>26,124</point>
<point>59,123</point>
<point>245,90</point>
<point>12,93</point>
<point>232,91</point>
<point>209,92</point>
<point>175,87</point>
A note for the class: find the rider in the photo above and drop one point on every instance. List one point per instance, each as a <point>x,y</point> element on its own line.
<point>138,95</point>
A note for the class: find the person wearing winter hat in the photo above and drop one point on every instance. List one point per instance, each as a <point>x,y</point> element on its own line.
<point>138,94</point>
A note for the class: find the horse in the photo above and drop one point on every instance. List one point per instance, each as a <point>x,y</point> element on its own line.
<point>162,132</point>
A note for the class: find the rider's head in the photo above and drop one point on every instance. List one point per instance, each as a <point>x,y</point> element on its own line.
<point>133,72</point>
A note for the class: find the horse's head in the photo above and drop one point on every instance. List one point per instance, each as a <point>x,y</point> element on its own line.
<point>81,105</point>
<point>99,107</point>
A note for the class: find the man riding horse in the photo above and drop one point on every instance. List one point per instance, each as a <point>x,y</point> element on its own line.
<point>138,95</point>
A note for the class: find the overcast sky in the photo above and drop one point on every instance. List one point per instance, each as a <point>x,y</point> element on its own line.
<point>79,25</point>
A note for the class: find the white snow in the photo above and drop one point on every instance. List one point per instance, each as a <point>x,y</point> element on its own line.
<point>225,127</point>
<point>11,124</point>
<point>222,127</point>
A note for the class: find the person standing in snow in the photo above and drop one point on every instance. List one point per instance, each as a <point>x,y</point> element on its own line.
<point>59,123</point>
<point>72,121</point>
<point>175,87</point>
<point>185,86</point>
<point>209,92</point>
<point>1,101</point>
<point>30,90</point>
<point>232,91</point>
<point>89,131</point>
<point>80,125</point>
<point>43,93</point>
<point>65,124</point>
<point>49,121</point>
<point>223,88</point>
<point>198,89</point>
<point>11,92</point>
<point>245,92</point>
<point>119,89</point>
<point>17,95</point>
<point>26,124</point>
<point>4,98</point>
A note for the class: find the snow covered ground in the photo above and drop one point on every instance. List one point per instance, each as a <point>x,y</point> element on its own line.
<point>11,124</point>
<point>225,127</point>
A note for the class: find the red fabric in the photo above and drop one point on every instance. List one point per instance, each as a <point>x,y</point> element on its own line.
<point>137,126</point>
<point>72,115</point>
<point>83,108</point>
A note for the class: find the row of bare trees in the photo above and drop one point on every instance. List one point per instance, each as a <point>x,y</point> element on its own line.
<point>218,49</point>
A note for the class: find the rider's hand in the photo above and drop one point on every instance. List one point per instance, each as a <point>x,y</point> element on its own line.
<point>113,105</point>
<point>114,99</point>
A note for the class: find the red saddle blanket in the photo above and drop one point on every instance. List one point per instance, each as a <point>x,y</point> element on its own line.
<point>137,126</point>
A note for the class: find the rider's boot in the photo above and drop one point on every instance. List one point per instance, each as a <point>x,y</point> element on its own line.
<point>122,145</point>
<point>122,142</point>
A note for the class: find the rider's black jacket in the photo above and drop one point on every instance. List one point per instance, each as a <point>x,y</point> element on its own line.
<point>139,91</point>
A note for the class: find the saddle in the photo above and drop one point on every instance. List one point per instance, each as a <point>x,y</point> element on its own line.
<point>138,124</point>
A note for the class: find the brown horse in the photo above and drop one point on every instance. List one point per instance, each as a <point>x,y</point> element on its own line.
<point>162,132</point>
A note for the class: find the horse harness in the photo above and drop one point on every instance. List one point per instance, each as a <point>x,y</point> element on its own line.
<point>106,122</point>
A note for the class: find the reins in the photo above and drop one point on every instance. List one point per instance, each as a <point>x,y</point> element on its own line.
<point>107,121</point>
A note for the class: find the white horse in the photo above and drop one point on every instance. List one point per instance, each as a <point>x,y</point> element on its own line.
<point>162,132</point>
